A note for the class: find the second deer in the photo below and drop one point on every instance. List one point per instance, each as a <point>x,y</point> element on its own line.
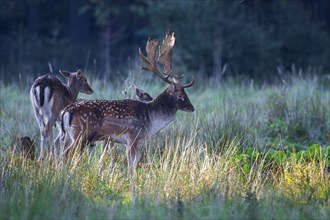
<point>49,97</point>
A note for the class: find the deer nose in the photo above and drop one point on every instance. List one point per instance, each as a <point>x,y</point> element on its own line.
<point>90,91</point>
<point>190,109</point>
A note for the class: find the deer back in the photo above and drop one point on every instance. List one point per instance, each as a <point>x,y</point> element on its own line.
<point>100,119</point>
<point>44,87</point>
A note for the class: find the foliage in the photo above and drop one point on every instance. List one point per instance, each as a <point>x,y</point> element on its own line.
<point>240,155</point>
<point>216,39</point>
<point>183,181</point>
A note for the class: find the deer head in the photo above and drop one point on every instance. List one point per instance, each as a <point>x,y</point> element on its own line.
<point>176,89</point>
<point>77,81</point>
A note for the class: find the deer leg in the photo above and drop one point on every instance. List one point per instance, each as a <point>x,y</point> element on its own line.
<point>68,141</point>
<point>57,144</point>
<point>83,144</point>
<point>41,128</point>
<point>137,157</point>
<point>46,139</point>
<point>133,156</point>
<point>129,160</point>
<point>43,141</point>
<point>63,142</point>
<point>57,141</point>
<point>50,139</point>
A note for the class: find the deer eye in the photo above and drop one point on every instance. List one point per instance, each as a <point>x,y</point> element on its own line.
<point>180,97</point>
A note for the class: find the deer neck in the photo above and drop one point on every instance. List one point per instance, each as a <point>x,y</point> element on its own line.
<point>73,92</point>
<point>161,112</point>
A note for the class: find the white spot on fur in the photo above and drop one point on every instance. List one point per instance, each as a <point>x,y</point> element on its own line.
<point>66,119</point>
<point>47,94</point>
<point>37,89</point>
<point>48,106</point>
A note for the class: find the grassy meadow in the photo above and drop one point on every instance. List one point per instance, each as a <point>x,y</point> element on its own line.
<point>248,152</point>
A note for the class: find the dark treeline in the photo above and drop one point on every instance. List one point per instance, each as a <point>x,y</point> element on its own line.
<point>255,38</point>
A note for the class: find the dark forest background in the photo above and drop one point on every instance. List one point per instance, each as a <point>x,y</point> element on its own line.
<point>259,39</point>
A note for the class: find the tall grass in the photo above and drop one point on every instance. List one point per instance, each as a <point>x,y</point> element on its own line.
<point>242,154</point>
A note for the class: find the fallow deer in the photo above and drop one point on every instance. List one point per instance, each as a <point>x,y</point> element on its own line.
<point>49,96</point>
<point>127,121</point>
<point>140,94</point>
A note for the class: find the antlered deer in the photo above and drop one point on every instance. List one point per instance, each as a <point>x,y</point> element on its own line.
<point>49,97</point>
<point>128,121</point>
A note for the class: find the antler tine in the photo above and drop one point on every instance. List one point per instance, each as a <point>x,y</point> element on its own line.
<point>165,56</point>
<point>150,61</point>
<point>165,51</point>
<point>189,84</point>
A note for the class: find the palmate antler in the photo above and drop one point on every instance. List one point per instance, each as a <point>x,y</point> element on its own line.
<point>165,51</point>
<point>164,58</point>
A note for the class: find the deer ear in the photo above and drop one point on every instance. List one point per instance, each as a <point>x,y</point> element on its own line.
<point>172,88</point>
<point>138,92</point>
<point>65,73</point>
<point>79,74</point>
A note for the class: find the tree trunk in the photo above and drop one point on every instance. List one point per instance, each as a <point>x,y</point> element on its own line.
<point>217,60</point>
<point>79,23</point>
<point>33,18</point>
<point>107,51</point>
